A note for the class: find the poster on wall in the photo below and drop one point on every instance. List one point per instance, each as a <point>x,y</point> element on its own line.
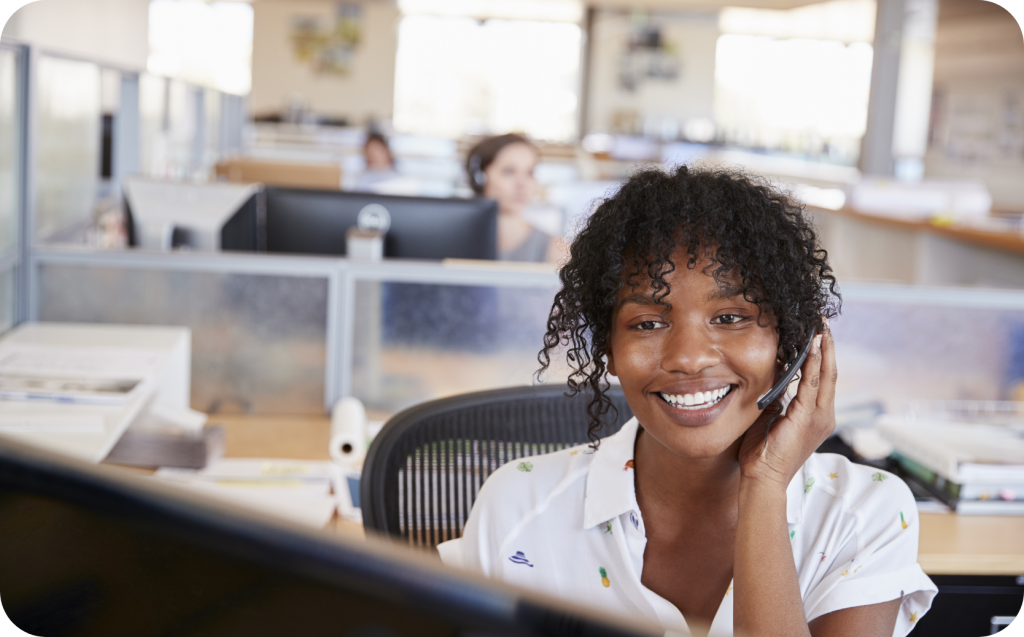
<point>648,56</point>
<point>328,45</point>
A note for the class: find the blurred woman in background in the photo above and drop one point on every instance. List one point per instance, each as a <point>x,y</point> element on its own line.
<point>380,163</point>
<point>501,168</point>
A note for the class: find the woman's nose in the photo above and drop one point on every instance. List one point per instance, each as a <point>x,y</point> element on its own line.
<point>690,349</point>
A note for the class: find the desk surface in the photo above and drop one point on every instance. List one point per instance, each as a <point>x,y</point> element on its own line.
<point>950,544</point>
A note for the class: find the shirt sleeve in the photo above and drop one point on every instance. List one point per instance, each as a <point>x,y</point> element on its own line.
<point>884,564</point>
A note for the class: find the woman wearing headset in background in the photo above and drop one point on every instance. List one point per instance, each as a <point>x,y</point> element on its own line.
<point>501,168</point>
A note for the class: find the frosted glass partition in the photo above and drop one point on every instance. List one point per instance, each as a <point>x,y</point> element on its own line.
<point>67,147</point>
<point>7,278</point>
<point>415,342</point>
<point>9,169</point>
<point>894,351</point>
<point>258,341</point>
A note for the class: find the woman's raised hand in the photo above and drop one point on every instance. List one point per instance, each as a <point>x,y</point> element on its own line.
<point>810,419</point>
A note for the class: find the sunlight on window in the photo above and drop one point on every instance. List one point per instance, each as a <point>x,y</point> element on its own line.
<point>455,76</point>
<point>807,96</point>
<point>795,80</point>
<point>204,43</point>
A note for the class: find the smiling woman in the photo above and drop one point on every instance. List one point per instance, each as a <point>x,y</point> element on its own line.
<point>704,513</point>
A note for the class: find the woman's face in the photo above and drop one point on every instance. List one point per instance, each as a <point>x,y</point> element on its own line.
<point>510,178</point>
<point>377,156</point>
<point>707,350</point>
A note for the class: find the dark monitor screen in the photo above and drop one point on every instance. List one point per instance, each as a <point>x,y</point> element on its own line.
<point>90,551</point>
<point>316,222</point>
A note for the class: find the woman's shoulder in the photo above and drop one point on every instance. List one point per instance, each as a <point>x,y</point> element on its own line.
<point>527,483</point>
<point>856,488</point>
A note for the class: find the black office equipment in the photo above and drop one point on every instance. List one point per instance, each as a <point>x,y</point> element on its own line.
<point>302,221</point>
<point>428,462</point>
<point>86,551</point>
<point>787,377</point>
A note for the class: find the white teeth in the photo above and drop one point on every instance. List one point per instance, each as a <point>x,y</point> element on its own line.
<point>698,400</point>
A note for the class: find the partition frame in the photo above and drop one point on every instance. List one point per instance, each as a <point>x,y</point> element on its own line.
<point>343,275</point>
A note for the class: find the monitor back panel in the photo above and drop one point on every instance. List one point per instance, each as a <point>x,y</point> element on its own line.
<point>316,222</point>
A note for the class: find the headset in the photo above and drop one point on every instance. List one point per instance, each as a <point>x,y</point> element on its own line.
<point>787,377</point>
<point>476,174</point>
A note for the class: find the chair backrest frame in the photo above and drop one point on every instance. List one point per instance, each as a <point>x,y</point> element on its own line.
<point>429,461</point>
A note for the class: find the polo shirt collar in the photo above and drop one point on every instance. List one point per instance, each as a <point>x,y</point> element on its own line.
<point>611,490</point>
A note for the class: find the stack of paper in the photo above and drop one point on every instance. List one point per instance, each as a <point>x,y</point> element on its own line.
<point>294,490</point>
<point>974,468</point>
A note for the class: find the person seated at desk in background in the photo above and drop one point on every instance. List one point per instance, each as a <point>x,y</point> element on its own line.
<point>696,288</point>
<point>380,163</point>
<point>501,168</point>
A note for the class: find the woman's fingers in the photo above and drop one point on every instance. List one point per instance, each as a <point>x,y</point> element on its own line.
<point>806,399</point>
<point>829,372</point>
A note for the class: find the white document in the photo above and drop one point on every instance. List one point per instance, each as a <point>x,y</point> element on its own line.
<point>105,375</point>
<point>294,490</point>
<point>51,361</point>
<point>50,424</point>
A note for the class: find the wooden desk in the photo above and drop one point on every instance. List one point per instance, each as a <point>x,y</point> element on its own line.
<point>950,544</point>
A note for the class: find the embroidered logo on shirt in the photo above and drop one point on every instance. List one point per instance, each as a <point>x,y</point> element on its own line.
<point>808,485</point>
<point>604,577</point>
<point>833,476</point>
<point>913,617</point>
<point>728,590</point>
<point>823,556</point>
<point>520,558</point>
<point>608,527</point>
<point>525,467</point>
<point>791,534</point>
<point>629,465</point>
<point>878,476</point>
<point>902,521</point>
<point>635,520</point>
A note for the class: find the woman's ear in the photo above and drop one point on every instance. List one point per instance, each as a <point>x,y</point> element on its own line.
<point>610,364</point>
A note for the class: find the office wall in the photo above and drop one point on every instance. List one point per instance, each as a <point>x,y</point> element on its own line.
<point>691,94</point>
<point>279,76</point>
<point>977,128</point>
<point>113,31</point>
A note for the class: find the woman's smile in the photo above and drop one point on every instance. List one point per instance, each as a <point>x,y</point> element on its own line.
<point>695,409</point>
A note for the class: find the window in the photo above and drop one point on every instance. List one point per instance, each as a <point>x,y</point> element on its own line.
<point>206,44</point>
<point>459,76</point>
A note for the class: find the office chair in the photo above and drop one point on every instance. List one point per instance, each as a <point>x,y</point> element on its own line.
<point>425,468</point>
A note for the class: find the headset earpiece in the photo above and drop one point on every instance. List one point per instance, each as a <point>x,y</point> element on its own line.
<point>478,176</point>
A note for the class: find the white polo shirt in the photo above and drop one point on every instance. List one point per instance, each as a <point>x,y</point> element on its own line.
<point>567,524</point>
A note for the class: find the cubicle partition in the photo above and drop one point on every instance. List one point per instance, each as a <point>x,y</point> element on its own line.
<point>12,97</point>
<point>287,334</point>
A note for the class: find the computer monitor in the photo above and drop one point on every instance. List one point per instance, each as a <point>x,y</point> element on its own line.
<point>317,221</point>
<point>93,551</point>
<point>202,217</point>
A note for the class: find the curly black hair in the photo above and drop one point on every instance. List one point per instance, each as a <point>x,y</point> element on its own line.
<point>740,222</point>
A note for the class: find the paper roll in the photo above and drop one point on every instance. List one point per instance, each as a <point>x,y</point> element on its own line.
<point>348,432</point>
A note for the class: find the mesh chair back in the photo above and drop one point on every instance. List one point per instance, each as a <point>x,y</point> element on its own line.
<point>425,468</point>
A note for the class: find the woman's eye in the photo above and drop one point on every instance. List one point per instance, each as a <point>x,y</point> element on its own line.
<point>728,319</point>
<point>647,326</point>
